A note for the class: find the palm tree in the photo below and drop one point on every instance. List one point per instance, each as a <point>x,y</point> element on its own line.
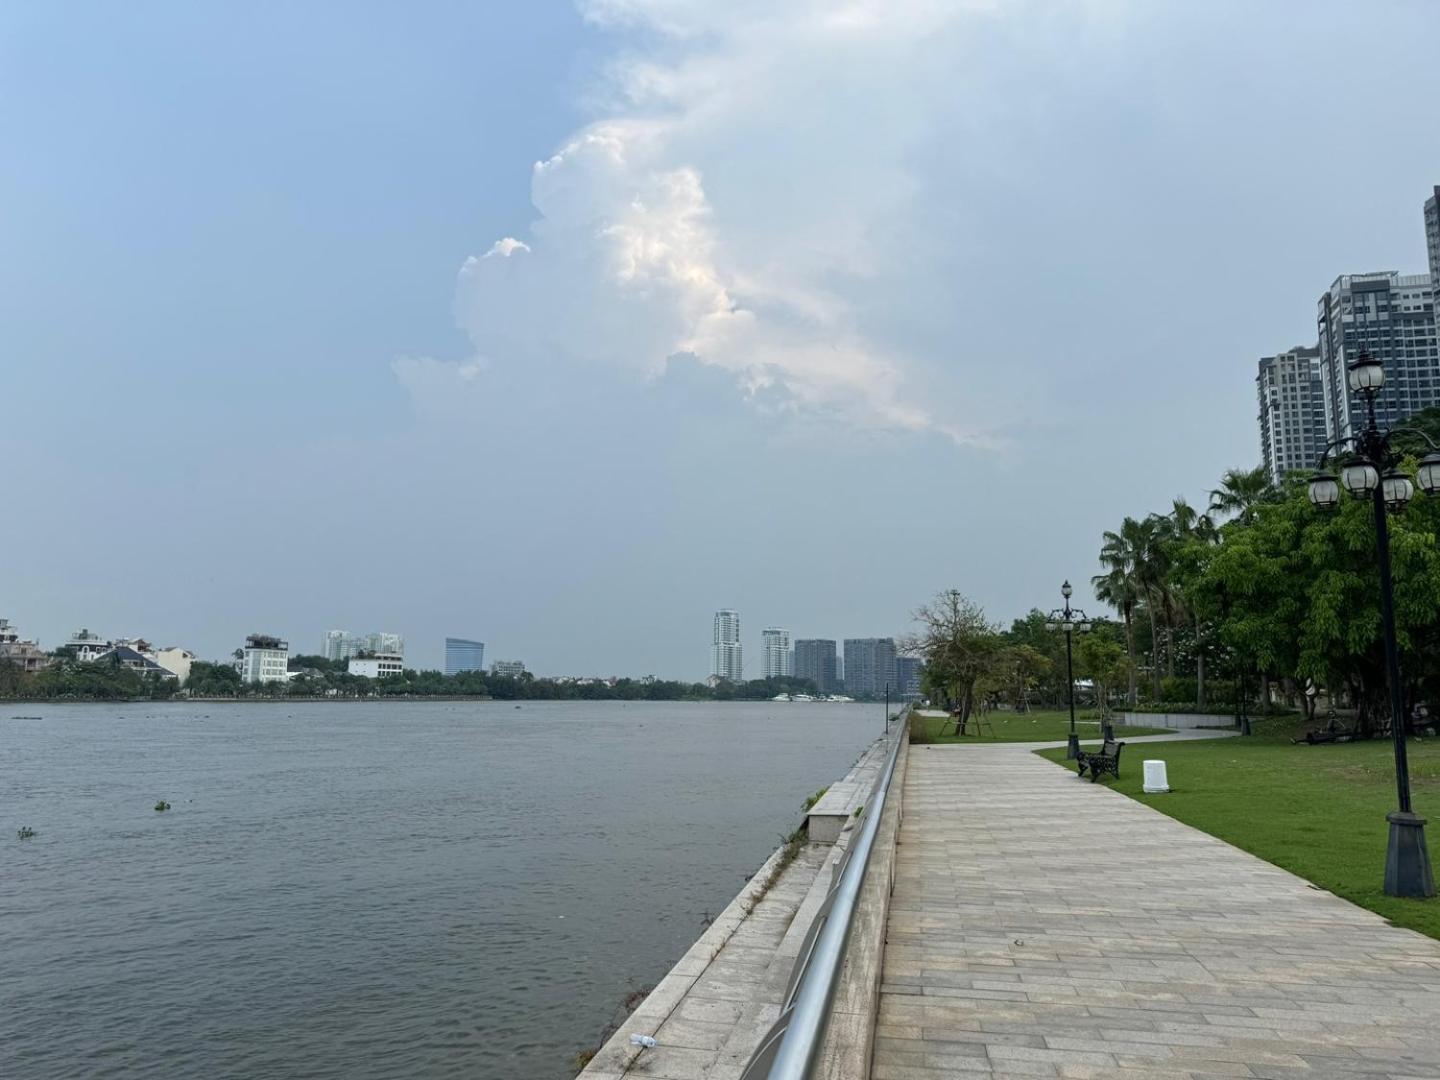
<point>1116,589</point>
<point>1240,491</point>
<point>1183,525</point>
<point>1129,558</point>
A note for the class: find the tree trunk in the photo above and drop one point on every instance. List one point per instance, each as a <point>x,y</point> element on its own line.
<point>1154,655</point>
<point>1169,647</point>
<point>1130,650</point>
<point>1264,694</point>
<point>1199,668</point>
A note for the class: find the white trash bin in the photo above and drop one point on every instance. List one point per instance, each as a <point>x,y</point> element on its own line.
<point>1156,781</point>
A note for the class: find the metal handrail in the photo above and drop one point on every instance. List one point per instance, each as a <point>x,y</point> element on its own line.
<point>791,1049</point>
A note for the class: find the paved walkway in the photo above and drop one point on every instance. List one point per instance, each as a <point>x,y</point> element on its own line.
<point>1044,926</point>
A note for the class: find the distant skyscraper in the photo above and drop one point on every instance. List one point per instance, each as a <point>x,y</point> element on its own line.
<point>725,659</point>
<point>1432,236</point>
<point>462,654</point>
<point>389,644</point>
<point>869,666</point>
<point>907,677</point>
<point>338,645</point>
<point>775,658</point>
<point>1393,317</point>
<point>1292,411</point>
<point>815,660</point>
<point>343,645</point>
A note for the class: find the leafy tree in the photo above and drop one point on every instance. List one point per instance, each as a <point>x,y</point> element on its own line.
<point>960,647</point>
<point>1102,660</point>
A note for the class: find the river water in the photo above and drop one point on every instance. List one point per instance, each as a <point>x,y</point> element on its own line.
<point>373,889</point>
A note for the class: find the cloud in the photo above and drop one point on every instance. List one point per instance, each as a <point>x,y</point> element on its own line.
<point>748,199</point>
<point>505,247</point>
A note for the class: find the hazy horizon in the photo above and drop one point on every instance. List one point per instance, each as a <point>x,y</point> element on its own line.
<point>560,326</point>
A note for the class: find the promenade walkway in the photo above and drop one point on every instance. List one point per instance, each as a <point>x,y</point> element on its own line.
<point>1044,926</point>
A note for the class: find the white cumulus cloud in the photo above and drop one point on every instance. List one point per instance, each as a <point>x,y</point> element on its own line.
<point>746,200</point>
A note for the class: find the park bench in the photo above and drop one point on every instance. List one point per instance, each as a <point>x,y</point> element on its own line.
<point>1106,761</point>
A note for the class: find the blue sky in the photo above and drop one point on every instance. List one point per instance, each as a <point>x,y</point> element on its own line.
<point>809,309</point>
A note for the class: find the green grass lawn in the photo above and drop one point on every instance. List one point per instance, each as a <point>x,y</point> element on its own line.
<point>1317,811</point>
<point>1021,727</point>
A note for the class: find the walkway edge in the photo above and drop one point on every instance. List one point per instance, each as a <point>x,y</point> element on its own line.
<point>850,1032</point>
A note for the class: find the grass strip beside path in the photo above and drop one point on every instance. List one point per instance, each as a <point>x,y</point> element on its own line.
<point>1020,727</point>
<point>1317,811</point>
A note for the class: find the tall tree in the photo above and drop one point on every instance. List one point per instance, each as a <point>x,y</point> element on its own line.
<point>1240,492</point>
<point>960,646</point>
<point>1187,535</point>
<point>1133,580</point>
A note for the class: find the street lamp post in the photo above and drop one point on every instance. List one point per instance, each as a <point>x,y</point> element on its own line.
<point>1069,620</point>
<point>1370,471</point>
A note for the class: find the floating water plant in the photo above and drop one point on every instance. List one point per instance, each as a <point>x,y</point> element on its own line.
<point>162,805</point>
<point>26,832</point>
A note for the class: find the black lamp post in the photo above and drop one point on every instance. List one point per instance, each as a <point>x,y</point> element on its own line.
<point>1069,620</point>
<point>1370,471</point>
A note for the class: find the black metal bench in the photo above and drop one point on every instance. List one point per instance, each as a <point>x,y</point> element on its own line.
<point>1106,761</point>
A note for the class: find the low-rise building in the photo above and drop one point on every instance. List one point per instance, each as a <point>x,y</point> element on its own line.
<point>86,646</point>
<point>377,665</point>
<point>175,660</point>
<point>127,656</point>
<point>264,659</point>
<point>26,655</point>
<point>509,669</point>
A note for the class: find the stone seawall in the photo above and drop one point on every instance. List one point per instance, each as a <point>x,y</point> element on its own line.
<point>710,1012</point>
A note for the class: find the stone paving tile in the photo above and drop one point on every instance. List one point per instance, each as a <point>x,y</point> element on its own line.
<point>1010,952</point>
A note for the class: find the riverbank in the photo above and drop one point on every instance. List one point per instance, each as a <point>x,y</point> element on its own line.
<point>718,1002</point>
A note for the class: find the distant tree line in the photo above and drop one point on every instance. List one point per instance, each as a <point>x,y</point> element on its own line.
<point>315,676</point>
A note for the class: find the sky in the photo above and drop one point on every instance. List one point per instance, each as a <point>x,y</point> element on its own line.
<point>561,325</point>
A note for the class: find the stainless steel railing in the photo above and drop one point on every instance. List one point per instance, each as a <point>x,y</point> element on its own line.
<point>791,1049</point>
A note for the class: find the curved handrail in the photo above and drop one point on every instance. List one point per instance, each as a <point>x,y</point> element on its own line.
<point>791,1048</point>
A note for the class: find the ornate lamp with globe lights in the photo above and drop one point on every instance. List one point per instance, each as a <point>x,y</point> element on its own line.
<point>1369,469</point>
<point>1069,620</point>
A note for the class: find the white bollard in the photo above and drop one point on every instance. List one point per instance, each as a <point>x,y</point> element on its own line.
<point>1156,781</point>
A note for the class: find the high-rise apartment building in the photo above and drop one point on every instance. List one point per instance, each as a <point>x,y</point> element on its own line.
<point>725,658</point>
<point>907,677</point>
<point>775,659</point>
<point>869,666</point>
<point>1292,410</point>
<point>815,660</point>
<point>337,645</point>
<point>389,644</point>
<point>462,654</point>
<point>343,645</point>
<point>1392,316</point>
<point>1432,235</point>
